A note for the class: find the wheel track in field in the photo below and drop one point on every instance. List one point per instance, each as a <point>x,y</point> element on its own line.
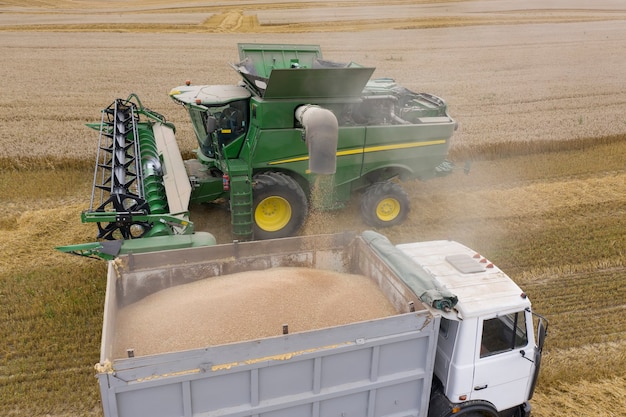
<point>292,17</point>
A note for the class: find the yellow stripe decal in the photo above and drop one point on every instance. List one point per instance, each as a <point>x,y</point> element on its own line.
<point>284,161</point>
<point>380,148</point>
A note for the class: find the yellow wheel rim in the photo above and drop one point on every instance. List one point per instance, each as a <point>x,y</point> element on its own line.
<point>388,209</point>
<point>272,214</point>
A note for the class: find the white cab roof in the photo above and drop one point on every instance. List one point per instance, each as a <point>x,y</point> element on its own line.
<point>481,287</point>
<point>209,94</point>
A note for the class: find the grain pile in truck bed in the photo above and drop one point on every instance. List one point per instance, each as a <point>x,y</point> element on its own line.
<point>244,306</point>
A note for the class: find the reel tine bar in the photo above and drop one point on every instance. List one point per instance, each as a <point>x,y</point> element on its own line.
<point>117,176</point>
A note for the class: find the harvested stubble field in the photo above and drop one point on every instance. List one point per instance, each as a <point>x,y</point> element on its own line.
<point>538,91</point>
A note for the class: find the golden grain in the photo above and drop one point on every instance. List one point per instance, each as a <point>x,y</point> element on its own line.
<point>245,306</point>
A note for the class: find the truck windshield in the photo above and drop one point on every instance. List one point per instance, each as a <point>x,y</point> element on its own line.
<point>503,333</point>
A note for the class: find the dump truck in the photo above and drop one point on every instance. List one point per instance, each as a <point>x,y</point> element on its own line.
<point>297,133</point>
<point>460,338</point>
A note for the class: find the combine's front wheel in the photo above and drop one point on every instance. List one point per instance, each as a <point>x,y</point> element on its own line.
<point>279,206</point>
<point>384,204</point>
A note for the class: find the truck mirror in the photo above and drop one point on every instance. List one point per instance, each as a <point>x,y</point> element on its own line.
<point>211,124</point>
<point>542,330</point>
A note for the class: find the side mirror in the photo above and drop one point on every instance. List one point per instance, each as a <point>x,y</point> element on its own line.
<point>542,331</point>
<point>211,124</point>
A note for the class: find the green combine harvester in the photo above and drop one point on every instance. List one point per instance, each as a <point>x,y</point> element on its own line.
<point>297,132</point>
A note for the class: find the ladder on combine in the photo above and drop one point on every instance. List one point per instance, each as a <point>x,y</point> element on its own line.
<point>241,202</point>
<point>241,206</point>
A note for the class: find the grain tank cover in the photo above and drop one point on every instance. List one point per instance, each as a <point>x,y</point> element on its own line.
<point>266,57</point>
<point>317,83</point>
<point>298,71</point>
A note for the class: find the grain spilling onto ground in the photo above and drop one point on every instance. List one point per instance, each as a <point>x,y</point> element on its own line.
<point>245,306</point>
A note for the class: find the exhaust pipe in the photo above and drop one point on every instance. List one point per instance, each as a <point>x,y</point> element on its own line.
<point>321,133</point>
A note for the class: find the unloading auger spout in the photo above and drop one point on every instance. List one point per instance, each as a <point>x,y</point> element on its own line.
<point>321,133</point>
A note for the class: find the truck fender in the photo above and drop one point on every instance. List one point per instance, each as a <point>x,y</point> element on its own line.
<point>476,409</point>
<point>466,409</point>
<point>441,406</point>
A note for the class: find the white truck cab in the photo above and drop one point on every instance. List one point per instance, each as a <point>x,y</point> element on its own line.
<point>487,358</point>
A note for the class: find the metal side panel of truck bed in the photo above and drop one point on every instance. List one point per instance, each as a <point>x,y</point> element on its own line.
<point>380,367</point>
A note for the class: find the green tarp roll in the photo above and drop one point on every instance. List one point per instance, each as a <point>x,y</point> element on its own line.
<point>416,278</point>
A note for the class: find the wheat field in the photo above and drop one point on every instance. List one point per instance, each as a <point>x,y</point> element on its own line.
<point>538,91</point>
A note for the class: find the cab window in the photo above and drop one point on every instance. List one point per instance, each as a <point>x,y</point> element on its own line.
<point>503,334</point>
<point>232,120</point>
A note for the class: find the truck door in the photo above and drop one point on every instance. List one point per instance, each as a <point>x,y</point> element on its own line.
<point>501,372</point>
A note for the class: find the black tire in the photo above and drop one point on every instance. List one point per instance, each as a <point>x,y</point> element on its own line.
<point>279,206</point>
<point>385,204</point>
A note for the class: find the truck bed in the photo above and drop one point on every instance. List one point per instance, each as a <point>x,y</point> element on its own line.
<point>375,367</point>
<point>246,305</point>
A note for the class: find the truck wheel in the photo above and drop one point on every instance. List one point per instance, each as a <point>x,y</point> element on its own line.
<point>385,204</point>
<point>279,206</point>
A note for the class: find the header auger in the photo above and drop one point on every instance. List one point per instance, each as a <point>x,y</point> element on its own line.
<point>130,196</point>
<point>140,187</point>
